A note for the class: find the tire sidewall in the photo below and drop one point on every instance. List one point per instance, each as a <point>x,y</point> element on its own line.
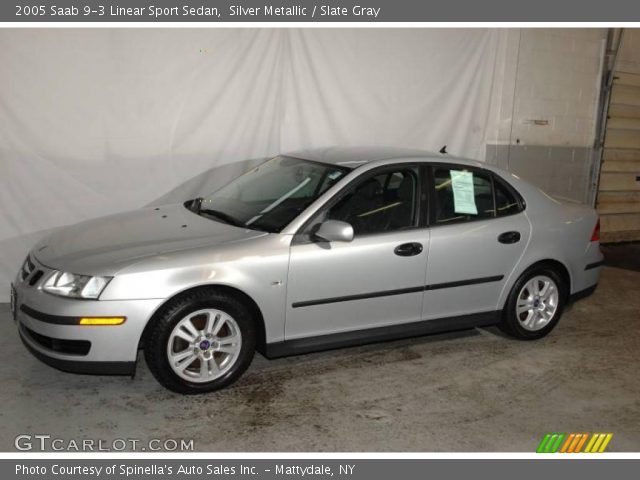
<point>510,317</point>
<point>167,322</point>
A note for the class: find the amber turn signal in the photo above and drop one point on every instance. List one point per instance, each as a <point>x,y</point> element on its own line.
<point>102,320</point>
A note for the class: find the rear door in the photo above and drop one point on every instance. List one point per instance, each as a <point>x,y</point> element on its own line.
<point>478,234</point>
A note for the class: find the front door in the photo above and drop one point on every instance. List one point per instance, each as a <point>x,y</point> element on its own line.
<point>372,281</point>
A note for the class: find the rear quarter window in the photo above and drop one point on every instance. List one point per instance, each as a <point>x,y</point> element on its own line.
<point>506,201</point>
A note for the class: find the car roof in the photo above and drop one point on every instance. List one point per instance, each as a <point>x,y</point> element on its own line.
<point>353,157</point>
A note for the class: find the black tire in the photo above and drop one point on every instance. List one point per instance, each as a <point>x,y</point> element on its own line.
<point>155,348</point>
<point>510,323</point>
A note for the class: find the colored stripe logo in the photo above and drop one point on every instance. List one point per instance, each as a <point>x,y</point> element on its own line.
<point>574,443</point>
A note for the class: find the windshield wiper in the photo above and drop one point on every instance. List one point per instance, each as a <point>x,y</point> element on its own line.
<point>220,215</point>
<point>195,206</point>
<point>232,221</point>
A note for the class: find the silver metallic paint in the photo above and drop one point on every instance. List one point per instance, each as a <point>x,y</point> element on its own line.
<point>366,264</point>
<point>154,254</point>
<point>335,231</point>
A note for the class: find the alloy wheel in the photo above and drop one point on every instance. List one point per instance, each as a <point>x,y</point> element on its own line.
<point>204,345</point>
<point>537,303</point>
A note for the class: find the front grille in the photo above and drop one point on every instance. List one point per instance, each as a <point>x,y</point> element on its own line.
<point>32,272</point>
<point>71,347</point>
<point>27,267</point>
<point>35,277</point>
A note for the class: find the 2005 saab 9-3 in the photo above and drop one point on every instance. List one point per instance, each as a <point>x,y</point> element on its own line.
<point>308,251</point>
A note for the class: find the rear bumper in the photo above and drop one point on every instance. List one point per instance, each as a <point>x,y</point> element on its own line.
<point>593,265</point>
<point>583,293</point>
<point>585,273</point>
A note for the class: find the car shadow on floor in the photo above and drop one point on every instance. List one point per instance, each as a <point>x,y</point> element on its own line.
<point>622,255</point>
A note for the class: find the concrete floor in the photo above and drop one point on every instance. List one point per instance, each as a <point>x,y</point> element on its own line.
<point>471,391</point>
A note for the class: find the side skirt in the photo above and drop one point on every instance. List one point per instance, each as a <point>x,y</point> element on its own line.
<point>300,346</point>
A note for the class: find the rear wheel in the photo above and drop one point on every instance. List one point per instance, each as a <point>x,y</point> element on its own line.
<point>535,304</point>
<point>202,342</point>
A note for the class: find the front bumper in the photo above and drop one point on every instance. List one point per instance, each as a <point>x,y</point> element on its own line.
<point>84,349</point>
<point>77,366</point>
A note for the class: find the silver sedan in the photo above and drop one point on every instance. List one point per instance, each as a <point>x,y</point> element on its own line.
<point>309,251</point>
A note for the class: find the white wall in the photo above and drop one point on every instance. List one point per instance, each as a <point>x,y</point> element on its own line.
<point>98,121</point>
<point>558,81</point>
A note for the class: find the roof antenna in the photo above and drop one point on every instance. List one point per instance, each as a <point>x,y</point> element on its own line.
<point>443,150</point>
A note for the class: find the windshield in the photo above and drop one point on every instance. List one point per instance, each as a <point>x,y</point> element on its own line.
<point>271,195</point>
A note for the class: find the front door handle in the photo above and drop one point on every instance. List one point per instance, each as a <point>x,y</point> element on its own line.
<point>408,249</point>
<point>509,237</point>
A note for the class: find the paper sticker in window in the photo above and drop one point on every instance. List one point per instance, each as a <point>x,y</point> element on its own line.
<point>463,195</point>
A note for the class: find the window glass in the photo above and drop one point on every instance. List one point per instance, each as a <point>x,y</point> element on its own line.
<point>383,203</point>
<point>271,195</point>
<point>506,202</point>
<point>462,195</point>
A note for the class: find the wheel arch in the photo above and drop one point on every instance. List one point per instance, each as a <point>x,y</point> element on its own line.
<point>227,289</point>
<point>557,266</point>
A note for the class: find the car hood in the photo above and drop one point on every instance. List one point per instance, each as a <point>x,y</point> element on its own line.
<point>106,245</point>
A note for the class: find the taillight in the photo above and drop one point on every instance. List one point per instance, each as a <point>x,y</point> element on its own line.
<point>595,236</point>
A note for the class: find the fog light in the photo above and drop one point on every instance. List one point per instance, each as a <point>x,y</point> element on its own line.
<point>102,320</point>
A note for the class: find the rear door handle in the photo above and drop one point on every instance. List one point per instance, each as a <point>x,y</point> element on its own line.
<point>509,237</point>
<point>408,249</point>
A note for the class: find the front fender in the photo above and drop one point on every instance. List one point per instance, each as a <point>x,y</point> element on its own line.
<point>257,267</point>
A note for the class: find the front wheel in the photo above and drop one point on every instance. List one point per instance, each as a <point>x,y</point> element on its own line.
<point>202,342</point>
<point>535,304</point>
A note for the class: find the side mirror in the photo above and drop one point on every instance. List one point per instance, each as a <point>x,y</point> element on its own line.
<point>334,231</point>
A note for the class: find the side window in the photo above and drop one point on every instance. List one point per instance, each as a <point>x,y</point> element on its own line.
<point>382,203</point>
<point>506,202</point>
<point>462,195</point>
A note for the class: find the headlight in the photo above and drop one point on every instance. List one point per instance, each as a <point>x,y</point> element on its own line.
<point>75,286</point>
